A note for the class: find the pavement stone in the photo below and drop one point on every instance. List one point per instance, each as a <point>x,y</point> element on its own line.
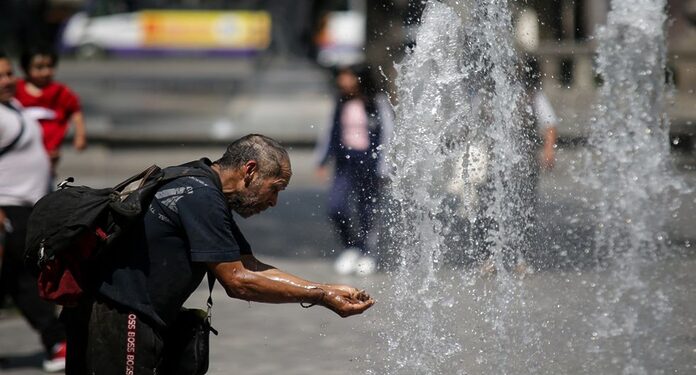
<point>269,339</point>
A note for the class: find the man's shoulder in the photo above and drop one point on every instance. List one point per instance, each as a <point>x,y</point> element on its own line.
<point>193,187</point>
<point>202,182</point>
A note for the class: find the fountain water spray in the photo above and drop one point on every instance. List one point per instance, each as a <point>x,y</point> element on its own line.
<point>630,168</point>
<point>460,168</point>
<point>460,118</point>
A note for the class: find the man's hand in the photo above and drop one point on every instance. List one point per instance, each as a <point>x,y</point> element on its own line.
<point>345,300</point>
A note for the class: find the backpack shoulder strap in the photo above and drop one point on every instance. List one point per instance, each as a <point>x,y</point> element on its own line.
<point>171,173</point>
<point>209,316</point>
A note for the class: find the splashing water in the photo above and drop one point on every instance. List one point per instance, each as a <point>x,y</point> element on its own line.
<point>632,172</point>
<point>458,120</point>
<point>459,160</point>
<point>425,113</point>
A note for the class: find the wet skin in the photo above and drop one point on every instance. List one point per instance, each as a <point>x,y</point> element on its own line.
<point>248,193</point>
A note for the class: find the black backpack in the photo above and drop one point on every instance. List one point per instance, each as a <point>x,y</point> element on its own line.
<point>70,228</point>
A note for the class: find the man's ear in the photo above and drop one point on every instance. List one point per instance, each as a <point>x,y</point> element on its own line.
<point>250,169</point>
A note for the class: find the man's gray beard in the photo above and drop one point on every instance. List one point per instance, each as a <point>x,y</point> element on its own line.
<point>244,206</point>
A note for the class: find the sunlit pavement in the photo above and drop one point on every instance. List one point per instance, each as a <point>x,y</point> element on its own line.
<point>266,339</point>
<point>270,339</point>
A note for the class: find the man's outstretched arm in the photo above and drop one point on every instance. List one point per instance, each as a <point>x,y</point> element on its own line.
<point>251,280</point>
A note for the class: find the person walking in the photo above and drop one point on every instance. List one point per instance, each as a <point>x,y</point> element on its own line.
<point>52,103</point>
<point>188,231</point>
<point>24,179</point>
<point>538,137</point>
<point>362,124</point>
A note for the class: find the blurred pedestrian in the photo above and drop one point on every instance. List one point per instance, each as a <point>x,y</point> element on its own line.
<point>24,176</point>
<point>538,140</point>
<point>541,116</point>
<point>52,103</point>
<point>188,231</point>
<point>362,124</point>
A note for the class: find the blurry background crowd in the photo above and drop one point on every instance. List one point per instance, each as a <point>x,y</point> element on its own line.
<point>202,70</point>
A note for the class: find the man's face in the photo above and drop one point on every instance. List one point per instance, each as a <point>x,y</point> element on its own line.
<point>41,70</point>
<point>259,194</point>
<point>8,82</point>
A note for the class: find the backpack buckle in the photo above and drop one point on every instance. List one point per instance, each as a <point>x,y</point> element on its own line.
<point>42,252</point>
<point>63,184</point>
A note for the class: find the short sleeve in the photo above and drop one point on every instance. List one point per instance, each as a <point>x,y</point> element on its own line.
<point>69,101</point>
<point>208,225</point>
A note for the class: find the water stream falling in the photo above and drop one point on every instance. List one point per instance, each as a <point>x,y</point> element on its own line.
<point>459,162</point>
<point>631,169</point>
<point>459,120</point>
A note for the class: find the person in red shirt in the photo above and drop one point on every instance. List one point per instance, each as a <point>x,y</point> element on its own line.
<point>52,103</point>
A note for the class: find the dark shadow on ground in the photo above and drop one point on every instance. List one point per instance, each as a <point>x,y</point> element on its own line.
<point>16,361</point>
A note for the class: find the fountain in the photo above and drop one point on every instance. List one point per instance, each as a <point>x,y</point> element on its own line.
<point>630,168</point>
<point>459,191</point>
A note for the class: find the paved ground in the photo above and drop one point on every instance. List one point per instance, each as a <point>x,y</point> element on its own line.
<point>556,331</point>
<point>268,339</point>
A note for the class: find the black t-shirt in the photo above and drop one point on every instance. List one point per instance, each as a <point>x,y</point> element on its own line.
<point>163,260</point>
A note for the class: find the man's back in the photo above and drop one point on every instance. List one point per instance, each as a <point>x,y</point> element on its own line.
<point>163,260</point>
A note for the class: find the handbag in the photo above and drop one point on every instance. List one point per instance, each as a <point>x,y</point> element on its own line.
<point>187,343</point>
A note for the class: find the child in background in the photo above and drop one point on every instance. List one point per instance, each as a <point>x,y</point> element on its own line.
<point>360,131</point>
<point>51,103</point>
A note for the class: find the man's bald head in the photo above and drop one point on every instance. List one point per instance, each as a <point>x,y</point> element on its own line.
<point>272,158</point>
